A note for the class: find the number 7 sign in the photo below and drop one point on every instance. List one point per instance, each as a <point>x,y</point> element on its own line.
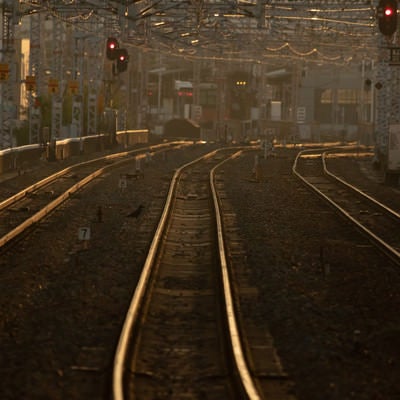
<point>84,233</point>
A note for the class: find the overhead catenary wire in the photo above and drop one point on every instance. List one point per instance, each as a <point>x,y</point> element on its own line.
<point>220,25</point>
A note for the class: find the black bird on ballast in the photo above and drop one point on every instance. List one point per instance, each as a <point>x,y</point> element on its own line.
<point>136,213</point>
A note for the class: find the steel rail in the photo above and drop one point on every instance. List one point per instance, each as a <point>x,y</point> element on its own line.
<point>134,307</point>
<point>23,193</point>
<point>390,251</point>
<point>359,191</point>
<point>240,359</point>
<point>63,197</point>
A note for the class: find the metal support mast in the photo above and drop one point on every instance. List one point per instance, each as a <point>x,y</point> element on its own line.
<point>8,86</point>
<point>95,72</point>
<point>35,70</point>
<point>77,103</point>
<point>57,73</point>
<point>382,104</point>
<point>387,112</point>
<point>387,97</point>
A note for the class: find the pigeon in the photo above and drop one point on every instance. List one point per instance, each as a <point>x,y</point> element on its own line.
<point>136,213</point>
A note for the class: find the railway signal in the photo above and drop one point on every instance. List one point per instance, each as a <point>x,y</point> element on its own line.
<point>111,48</point>
<point>387,17</point>
<point>122,60</point>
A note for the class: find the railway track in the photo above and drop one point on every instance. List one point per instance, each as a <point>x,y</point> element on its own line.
<point>218,371</point>
<point>378,222</point>
<point>26,208</point>
<point>174,343</point>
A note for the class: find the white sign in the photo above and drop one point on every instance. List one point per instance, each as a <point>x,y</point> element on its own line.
<point>276,110</point>
<point>84,233</point>
<point>183,85</point>
<point>196,112</point>
<point>301,114</point>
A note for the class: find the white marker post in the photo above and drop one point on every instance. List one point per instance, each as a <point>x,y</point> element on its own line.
<point>84,235</point>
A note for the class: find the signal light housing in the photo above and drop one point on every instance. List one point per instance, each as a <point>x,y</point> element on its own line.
<point>387,17</point>
<point>111,48</point>
<point>122,58</point>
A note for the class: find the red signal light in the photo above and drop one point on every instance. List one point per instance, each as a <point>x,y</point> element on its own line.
<point>387,17</point>
<point>111,47</point>
<point>388,11</point>
<point>122,60</point>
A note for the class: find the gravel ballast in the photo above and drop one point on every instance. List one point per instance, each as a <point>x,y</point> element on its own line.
<point>329,299</point>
